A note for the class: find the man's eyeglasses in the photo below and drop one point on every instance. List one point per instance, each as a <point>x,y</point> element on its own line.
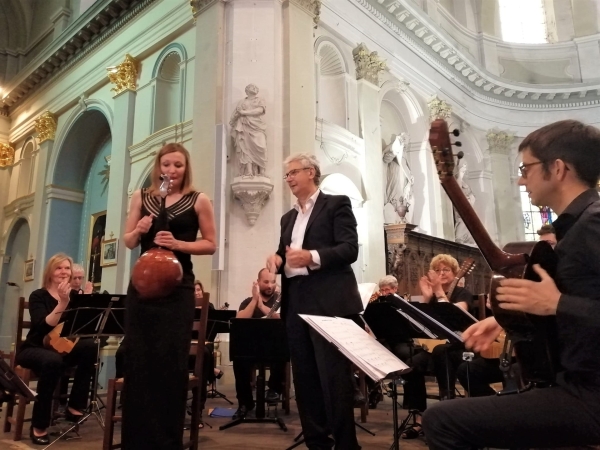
<point>293,173</point>
<point>444,270</point>
<point>523,168</point>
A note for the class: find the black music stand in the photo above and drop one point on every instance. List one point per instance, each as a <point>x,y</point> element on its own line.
<point>218,322</point>
<point>93,316</point>
<point>386,324</point>
<point>260,341</point>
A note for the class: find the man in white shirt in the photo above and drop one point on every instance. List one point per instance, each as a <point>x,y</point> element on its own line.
<point>318,244</point>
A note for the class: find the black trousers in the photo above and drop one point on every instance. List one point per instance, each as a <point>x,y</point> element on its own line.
<point>446,359</point>
<point>323,381</point>
<point>415,393</point>
<point>476,376</point>
<point>243,380</point>
<point>550,417</point>
<point>49,367</point>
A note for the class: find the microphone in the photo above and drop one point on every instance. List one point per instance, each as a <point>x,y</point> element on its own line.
<point>10,283</point>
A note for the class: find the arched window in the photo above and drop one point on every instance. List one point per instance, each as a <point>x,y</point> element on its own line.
<point>523,21</point>
<point>534,216</point>
<point>26,170</point>
<point>167,105</point>
<point>332,96</point>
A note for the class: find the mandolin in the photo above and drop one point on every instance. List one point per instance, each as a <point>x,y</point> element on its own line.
<point>533,337</point>
<point>54,341</point>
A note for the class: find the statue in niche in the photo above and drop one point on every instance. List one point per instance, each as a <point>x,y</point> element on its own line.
<point>399,181</point>
<point>249,134</point>
<point>461,233</point>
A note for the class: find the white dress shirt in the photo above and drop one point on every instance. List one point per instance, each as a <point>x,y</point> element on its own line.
<point>298,237</point>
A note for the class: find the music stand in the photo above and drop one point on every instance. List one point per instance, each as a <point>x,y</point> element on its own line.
<point>12,385</point>
<point>93,316</point>
<point>386,324</point>
<point>259,341</point>
<point>218,322</point>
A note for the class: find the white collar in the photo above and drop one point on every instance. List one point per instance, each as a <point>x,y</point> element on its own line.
<point>310,202</point>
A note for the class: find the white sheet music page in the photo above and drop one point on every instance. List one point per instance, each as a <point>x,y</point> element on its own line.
<point>354,342</point>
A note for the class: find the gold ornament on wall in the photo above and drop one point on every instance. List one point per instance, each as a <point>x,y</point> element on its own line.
<point>124,75</point>
<point>7,155</point>
<point>368,64</point>
<point>438,109</point>
<point>45,125</point>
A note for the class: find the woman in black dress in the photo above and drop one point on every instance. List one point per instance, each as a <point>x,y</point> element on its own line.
<point>159,331</point>
<point>46,306</point>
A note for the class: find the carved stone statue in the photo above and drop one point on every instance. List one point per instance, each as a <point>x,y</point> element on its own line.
<point>461,233</point>
<point>249,134</point>
<point>399,181</point>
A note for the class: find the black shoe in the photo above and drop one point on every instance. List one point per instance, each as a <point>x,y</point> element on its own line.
<point>271,396</point>
<point>240,413</point>
<point>39,440</point>
<point>359,399</point>
<point>70,417</point>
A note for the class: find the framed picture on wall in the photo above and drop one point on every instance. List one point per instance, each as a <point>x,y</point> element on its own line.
<point>28,273</point>
<point>96,236</point>
<point>109,253</point>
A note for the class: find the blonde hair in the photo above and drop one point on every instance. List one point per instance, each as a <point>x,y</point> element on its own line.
<point>447,260</point>
<point>51,266</point>
<point>186,182</point>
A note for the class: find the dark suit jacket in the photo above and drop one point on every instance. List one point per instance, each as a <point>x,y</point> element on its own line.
<point>331,230</point>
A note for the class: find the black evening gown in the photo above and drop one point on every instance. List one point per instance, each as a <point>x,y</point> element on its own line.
<point>158,341</point>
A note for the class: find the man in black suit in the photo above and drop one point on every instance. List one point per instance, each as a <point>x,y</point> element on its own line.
<point>318,243</point>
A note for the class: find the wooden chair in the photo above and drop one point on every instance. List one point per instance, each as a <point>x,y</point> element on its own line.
<point>195,384</point>
<point>27,375</point>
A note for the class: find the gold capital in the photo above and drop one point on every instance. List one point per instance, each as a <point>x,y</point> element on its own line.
<point>45,125</point>
<point>7,155</point>
<point>124,75</point>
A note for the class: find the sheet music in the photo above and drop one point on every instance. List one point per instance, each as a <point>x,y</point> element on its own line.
<point>354,342</point>
<point>366,290</point>
<point>439,324</point>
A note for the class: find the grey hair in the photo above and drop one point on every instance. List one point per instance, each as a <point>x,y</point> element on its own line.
<point>77,268</point>
<point>388,280</point>
<point>307,160</point>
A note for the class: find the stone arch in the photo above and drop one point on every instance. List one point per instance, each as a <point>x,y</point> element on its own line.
<point>168,77</point>
<point>332,83</point>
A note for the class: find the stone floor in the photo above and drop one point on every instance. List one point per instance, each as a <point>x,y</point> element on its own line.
<point>244,436</point>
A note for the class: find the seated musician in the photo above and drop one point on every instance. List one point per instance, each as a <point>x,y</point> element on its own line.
<point>264,296</point>
<point>46,306</point>
<point>547,233</point>
<point>415,393</point>
<point>77,277</point>
<point>434,288</point>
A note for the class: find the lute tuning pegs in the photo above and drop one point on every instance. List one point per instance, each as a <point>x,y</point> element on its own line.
<point>455,132</point>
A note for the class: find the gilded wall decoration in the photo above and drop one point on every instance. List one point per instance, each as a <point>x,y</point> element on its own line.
<point>45,125</point>
<point>438,109</point>
<point>124,75</point>
<point>368,64</point>
<point>7,155</point>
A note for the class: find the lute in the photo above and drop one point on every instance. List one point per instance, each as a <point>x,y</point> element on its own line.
<point>533,337</point>
<point>54,341</point>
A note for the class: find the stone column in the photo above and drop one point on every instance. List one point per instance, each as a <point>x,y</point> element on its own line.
<point>45,125</point>
<point>299,109</point>
<point>506,205</point>
<point>123,76</point>
<point>441,211</point>
<point>368,67</point>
